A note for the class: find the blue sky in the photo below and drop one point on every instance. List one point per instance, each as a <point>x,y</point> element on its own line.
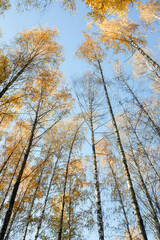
<point>70,30</point>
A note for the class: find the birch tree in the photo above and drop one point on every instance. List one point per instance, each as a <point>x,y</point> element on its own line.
<point>96,58</point>
<point>88,94</point>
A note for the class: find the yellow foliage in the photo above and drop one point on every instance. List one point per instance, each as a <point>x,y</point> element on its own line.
<point>90,49</point>
<point>39,43</point>
<point>119,34</point>
<point>149,12</point>
<point>99,8</point>
<point>4,67</point>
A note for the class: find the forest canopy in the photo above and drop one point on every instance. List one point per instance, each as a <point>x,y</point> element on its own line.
<point>80,148</point>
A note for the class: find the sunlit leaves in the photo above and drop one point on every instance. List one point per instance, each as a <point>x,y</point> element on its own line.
<point>99,8</point>
<point>40,42</point>
<point>119,34</point>
<point>150,12</point>
<point>4,67</point>
<point>90,49</point>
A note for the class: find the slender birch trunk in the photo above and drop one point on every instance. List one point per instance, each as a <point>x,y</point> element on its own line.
<point>45,201</point>
<point>140,143</point>
<point>69,220</point>
<point>153,211</point>
<point>7,191</point>
<point>32,204</point>
<point>121,200</point>
<point>96,180</point>
<point>135,205</point>
<point>65,184</point>
<point>87,93</point>
<point>17,183</point>
<point>145,55</point>
<point>96,183</point>
<point>156,128</point>
<point>16,211</point>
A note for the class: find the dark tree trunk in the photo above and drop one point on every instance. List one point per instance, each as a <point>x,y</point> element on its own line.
<point>156,128</point>
<point>45,201</point>
<point>65,184</point>
<point>135,205</point>
<point>17,183</point>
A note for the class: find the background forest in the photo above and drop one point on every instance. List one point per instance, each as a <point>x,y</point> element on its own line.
<point>79,120</point>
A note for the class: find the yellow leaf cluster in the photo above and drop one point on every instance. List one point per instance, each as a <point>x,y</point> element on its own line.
<point>99,8</point>
<point>149,12</point>
<point>4,67</point>
<point>118,34</point>
<point>90,49</point>
<point>40,42</point>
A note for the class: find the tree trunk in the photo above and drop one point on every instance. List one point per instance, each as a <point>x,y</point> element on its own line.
<point>135,205</point>
<point>7,191</point>
<point>32,204</point>
<point>96,180</point>
<point>121,201</point>
<point>96,183</point>
<point>65,184</point>
<point>45,201</point>
<point>140,143</point>
<point>156,128</point>
<point>10,83</point>
<point>145,55</point>
<point>16,211</point>
<point>69,220</point>
<point>17,183</point>
<point>153,211</point>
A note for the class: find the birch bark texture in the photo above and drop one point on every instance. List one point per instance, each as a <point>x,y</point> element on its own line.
<point>88,93</point>
<point>134,201</point>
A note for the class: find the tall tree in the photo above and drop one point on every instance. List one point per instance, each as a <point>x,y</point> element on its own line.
<point>120,78</point>
<point>44,103</point>
<point>88,94</point>
<point>96,58</point>
<point>17,183</point>
<point>105,154</point>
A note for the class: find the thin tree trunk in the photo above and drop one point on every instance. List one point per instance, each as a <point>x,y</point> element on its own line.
<point>7,191</point>
<point>121,201</point>
<point>96,183</point>
<point>139,141</point>
<point>153,211</point>
<point>16,211</point>
<point>69,221</point>
<point>17,183</point>
<point>6,161</point>
<point>156,128</point>
<point>32,204</point>
<point>13,80</point>
<point>145,55</point>
<point>65,184</point>
<point>45,201</point>
<point>137,213</point>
